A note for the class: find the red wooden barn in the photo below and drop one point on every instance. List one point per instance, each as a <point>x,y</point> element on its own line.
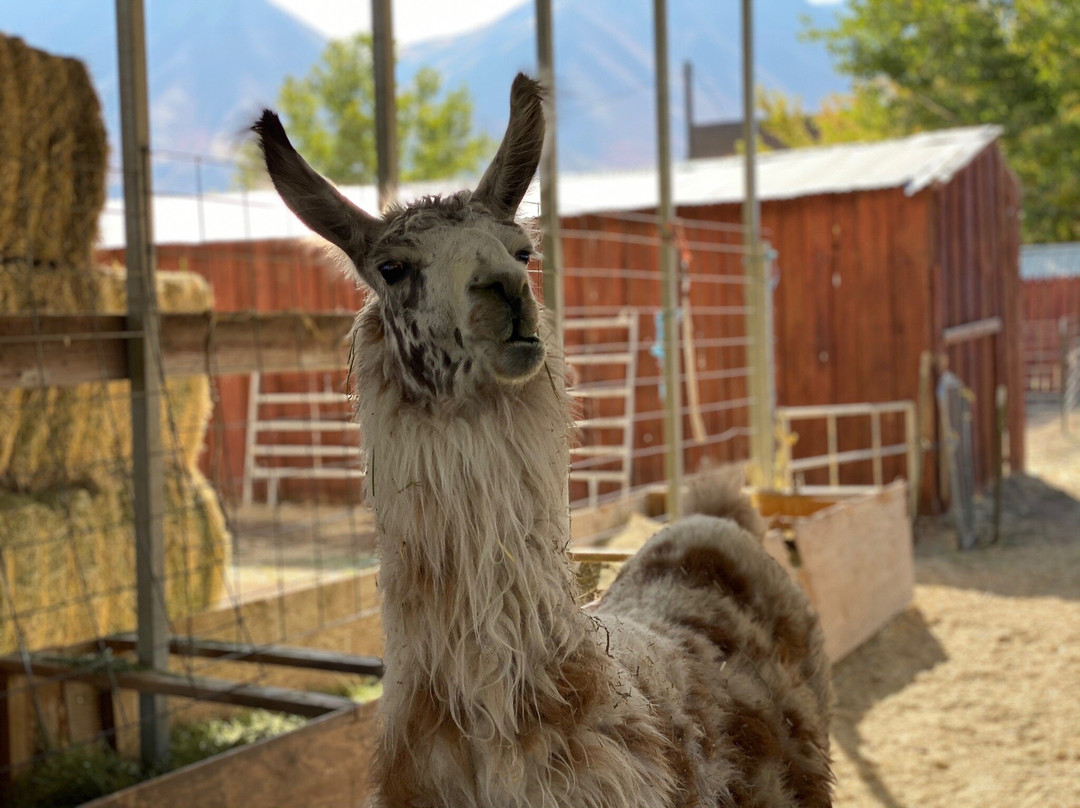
<point>893,259</point>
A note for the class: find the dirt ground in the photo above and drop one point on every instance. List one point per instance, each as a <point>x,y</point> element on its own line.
<point>290,546</point>
<point>971,698</point>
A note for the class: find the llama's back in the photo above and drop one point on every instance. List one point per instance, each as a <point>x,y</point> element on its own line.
<point>745,695</point>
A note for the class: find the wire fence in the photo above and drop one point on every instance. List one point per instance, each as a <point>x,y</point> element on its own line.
<point>617,353</point>
<point>270,563</point>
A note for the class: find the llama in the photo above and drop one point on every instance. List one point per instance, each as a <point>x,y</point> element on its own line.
<point>699,679</point>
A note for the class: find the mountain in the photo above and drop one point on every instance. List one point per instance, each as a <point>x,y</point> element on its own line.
<point>214,63</point>
<point>604,69</point>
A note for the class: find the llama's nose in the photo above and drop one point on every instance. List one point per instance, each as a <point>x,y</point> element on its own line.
<point>510,286</point>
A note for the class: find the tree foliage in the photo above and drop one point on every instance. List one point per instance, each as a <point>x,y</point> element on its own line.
<point>330,115</point>
<point>929,64</point>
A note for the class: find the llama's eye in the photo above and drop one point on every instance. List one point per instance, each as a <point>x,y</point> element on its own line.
<point>394,271</point>
<point>523,256</point>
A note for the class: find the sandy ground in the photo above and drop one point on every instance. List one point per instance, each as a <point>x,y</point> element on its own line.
<point>971,698</point>
<point>289,546</point>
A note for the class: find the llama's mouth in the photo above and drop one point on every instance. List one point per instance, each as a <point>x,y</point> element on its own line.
<point>521,356</point>
<point>519,339</point>
<point>521,334</point>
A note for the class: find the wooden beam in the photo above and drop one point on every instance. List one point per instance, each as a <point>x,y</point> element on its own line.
<point>958,334</point>
<point>263,654</point>
<point>279,699</point>
<point>600,555</point>
<point>63,350</point>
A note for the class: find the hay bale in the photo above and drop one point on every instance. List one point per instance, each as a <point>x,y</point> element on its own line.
<point>70,565</point>
<point>81,434</point>
<point>177,291</point>
<point>66,537</point>
<point>53,147</point>
<point>30,68</point>
<point>10,127</point>
<point>26,288</point>
<point>10,417</point>
<point>89,163</point>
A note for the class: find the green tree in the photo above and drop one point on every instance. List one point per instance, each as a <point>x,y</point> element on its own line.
<point>928,64</point>
<point>330,115</point>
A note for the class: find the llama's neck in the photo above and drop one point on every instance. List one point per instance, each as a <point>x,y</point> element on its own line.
<point>478,599</point>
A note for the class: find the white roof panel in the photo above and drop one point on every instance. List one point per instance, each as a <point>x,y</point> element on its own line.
<point>912,163</point>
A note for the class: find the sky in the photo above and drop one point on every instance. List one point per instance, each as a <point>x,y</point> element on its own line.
<point>414,20</point>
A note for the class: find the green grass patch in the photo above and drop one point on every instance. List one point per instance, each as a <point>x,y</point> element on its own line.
<point>72,776</point>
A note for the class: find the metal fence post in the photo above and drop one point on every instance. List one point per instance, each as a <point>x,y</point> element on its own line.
<point>766,410</point>
<point>1063,348</point>
<point>549,175</point>
<point>669,281</point>
<point>144,371</point>
<point>553,287</point>
<point>382,45</point>
<point>758,276</point>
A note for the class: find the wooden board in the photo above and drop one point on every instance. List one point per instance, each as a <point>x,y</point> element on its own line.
<point>325,763</point>
<point>855,563</point>
<point>64,350</point>
<point>286,656</point>
<point>185,686</point>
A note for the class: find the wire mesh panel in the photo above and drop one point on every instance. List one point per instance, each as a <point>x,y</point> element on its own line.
<point>611,270</point>
<point>954,401</point>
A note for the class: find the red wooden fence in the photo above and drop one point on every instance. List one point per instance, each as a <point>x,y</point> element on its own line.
<point>1046,302</point>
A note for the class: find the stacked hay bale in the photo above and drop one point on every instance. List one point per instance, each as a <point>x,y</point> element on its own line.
<point>66,534</point>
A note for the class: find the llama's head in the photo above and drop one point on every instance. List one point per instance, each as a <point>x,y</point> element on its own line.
<point>453,308</point>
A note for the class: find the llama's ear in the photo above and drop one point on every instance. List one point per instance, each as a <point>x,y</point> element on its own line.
<point>506,180</point>
<point>311,196</point>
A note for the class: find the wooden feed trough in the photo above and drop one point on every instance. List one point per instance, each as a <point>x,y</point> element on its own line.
<point>852,555</point>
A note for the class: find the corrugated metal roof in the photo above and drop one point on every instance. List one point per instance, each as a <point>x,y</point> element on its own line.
<point>912,163</point>
<point>1050,260</point>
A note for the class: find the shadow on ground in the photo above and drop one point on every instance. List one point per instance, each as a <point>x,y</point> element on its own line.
<point>883,666</point>
<point>1037,554</point>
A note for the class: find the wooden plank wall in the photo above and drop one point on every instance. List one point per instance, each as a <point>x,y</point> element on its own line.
<point>976,225</point>
<point>852,309</point>
<point>275,275</point>
<point>326,763</point>
<point>868,281</point>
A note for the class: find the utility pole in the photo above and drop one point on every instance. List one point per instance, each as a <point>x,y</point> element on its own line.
<point>144,371</point>
<point>669,281</point>
<point>382,38</point>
